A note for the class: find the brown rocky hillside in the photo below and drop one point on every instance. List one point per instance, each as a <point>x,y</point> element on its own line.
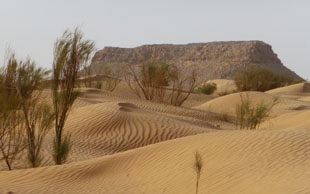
<point>213,60</point>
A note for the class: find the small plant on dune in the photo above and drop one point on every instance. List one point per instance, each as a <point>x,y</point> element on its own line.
<point>207,88</point>
<point>250,116</point>
<point>197,168</point>
<point>99,85</point>
<point>61,150</point>
<point>71,52</point>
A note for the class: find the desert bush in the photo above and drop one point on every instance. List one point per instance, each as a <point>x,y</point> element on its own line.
<point>182,86</point>
<point>12,135</point>
<point>149,80</point>
<point>152,81</point>
<point>207,88</point>
<point>250,116</point>
<point>61,149</point>
<point>99,84</point>
<point>22,85</point>
<point>261,79</point>
<point>37,114</point>
<point>197,167</point>
<point>70,53</point>
<point>38,124</point>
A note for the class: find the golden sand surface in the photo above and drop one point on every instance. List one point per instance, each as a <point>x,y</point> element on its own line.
<point>123,144</point>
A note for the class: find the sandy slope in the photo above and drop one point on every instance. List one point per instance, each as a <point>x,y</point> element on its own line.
<point>102,123</point>
<point>292,91</point>
<point>224,86</point>
<point>122,144</point>
<point>269,162</point>
<point>227,104</point>
<point>110,127</point>
<point>305,99</point>
<point>292,121</point>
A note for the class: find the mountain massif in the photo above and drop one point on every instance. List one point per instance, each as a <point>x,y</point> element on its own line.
<point>212,60</point>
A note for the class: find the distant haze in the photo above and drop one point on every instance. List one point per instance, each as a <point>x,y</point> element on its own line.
<point>31,27</point>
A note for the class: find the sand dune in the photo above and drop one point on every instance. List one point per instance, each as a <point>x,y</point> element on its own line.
<point>103,123</point>
<point>111,127</point>
<point>305,99</point>
<point>227,104</point>
<point>122,144</point>
<point>266,162</point>
<point>291,121</point>
<point>295,89</point>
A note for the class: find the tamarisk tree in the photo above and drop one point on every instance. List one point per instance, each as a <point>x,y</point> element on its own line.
<point>70,53</point>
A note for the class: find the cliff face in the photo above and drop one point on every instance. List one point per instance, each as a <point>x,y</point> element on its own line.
<point>212,60</point>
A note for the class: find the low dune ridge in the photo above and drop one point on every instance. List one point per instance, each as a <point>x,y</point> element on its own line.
<point>266,162</point>
<point>296,89</point>
<point>305,99</point>
<point>227,104</point>
<point>188,111</point>
<point>289,121</point>
<point>112,127</point>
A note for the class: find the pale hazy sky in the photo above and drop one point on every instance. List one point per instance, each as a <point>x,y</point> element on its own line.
<point>30,27</point>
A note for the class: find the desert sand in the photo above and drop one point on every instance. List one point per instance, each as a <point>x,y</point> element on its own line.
<point>122,144</point>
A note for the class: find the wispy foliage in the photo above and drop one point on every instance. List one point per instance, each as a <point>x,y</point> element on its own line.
<point>154,80</point>
<point>198,167</point>
<point>250,116</point>
<point>38,116</point>
<point>12,136</point>
<point>70,53</point>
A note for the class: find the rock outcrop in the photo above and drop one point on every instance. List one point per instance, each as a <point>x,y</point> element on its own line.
<point>215,60</point>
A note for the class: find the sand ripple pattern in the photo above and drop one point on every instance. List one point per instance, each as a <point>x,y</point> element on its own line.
<point>269,162</point>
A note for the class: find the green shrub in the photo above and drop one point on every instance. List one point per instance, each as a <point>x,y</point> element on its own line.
<point>207,88</point>
<point>250,116</point>
<point>98,84</point>
<point>70,52</point>
<point>61,149</point>
<point>261,79</point>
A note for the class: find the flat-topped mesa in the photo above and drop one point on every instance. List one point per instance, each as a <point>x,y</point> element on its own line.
<point>212,60</point>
